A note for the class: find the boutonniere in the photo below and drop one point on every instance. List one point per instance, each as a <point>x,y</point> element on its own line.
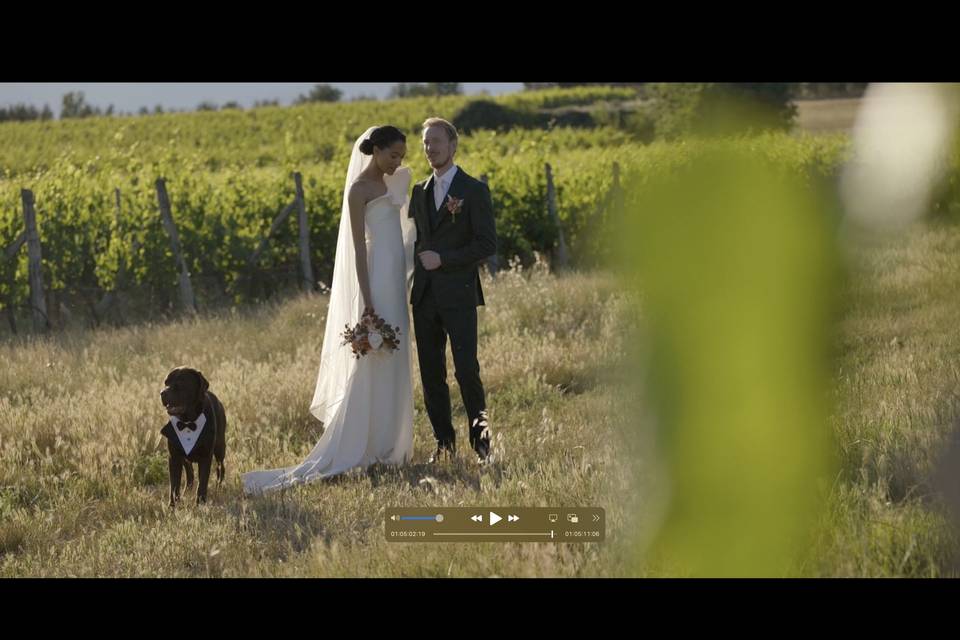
<point>454,205</point>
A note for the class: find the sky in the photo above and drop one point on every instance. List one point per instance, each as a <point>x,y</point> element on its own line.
<point>130,96</point>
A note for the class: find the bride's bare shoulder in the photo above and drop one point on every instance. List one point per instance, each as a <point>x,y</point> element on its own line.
<point>366,190</point>
<point>361,189</point>
<point>360,185</point>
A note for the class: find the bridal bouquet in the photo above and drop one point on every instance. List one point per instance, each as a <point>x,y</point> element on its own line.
<point>370,334</point>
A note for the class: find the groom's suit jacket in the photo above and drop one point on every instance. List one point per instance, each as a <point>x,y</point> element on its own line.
<point>463,241</point>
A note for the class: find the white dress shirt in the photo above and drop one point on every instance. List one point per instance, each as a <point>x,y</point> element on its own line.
<point>441,184</point>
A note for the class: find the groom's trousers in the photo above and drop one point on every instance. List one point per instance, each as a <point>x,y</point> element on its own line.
<point>432,325</point>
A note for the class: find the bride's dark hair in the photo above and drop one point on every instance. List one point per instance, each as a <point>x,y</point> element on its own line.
<point>382,137</point>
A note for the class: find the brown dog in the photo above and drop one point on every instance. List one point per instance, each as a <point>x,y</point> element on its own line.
<point>196,431</point>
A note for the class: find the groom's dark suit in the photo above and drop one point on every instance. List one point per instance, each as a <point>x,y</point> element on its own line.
<point>445,300</point>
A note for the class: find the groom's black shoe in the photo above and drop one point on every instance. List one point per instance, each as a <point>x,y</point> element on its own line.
<point>480,436</point>
<point>445,450</point>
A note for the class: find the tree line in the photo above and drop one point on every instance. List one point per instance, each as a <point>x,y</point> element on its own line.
<point>75,105</point>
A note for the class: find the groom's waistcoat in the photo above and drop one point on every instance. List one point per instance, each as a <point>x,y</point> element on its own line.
<point>463,240</point>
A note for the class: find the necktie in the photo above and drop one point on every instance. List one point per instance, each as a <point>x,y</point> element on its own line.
<point>438,193</point>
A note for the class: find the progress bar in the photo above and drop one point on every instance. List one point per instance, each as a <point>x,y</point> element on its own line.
<point>493,534</point>
<point>509,524</point>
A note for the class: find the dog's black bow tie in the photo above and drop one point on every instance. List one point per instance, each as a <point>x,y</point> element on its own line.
<point>187,425</point>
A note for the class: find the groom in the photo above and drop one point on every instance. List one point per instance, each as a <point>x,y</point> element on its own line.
<point>453,213</point>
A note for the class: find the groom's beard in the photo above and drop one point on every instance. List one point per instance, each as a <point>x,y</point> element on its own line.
<point>447,161</point>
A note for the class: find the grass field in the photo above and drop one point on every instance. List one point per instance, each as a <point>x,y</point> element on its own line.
<point>83,476</point>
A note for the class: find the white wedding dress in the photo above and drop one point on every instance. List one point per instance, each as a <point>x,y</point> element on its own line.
<point>366,405</point>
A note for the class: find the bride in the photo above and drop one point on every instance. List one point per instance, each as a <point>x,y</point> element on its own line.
<point>365,404</point>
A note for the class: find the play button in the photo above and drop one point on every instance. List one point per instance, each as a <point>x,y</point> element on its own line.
<point>494,518</point>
